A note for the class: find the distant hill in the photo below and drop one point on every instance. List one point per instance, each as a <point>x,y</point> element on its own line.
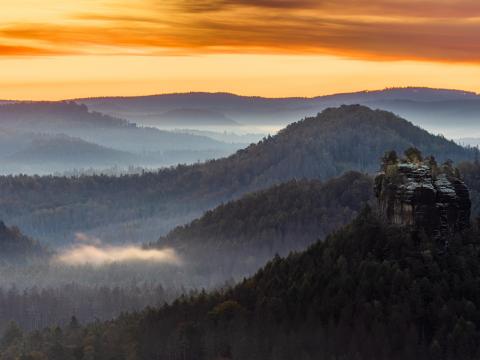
<point>33,153</point>
<point>56,116</point>
<point>369,291</point>
<point>240,236</point>
<point>420,94</point>
<point>62,149</point>
<point>23,152</point>
<point>336,141</point>
<point>227,136</point>
<point>77,120</point>
<point>437,110</point>
<point>192,117</point>
<point>243,109</point>
<point>12,141</point>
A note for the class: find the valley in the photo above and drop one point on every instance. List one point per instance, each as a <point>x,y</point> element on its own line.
<point>200,236</point>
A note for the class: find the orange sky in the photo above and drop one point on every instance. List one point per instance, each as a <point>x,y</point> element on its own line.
<point>51,49</point>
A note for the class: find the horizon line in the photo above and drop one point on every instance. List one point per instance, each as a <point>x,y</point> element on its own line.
<point>466,92</point>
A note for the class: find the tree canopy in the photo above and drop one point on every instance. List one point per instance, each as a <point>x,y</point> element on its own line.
<point>369,291</point>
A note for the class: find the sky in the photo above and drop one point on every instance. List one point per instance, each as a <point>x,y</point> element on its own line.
<point>53,49</point>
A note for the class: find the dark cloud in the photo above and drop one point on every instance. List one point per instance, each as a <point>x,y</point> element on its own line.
<point>414,8</point>
<point>216,5</point>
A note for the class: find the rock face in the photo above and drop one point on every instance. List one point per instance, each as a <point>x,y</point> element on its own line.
<point>421,194</point>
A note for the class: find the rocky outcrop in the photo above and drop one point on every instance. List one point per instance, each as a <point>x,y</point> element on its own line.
<point>417,192</point>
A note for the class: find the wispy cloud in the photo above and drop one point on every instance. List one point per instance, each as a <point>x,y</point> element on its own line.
<point>18,50</point>
<point>90,251</point>
<point>104,255</point>
<point>440,30</point>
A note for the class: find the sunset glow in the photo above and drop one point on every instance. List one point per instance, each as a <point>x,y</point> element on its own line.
<point>63,49</point>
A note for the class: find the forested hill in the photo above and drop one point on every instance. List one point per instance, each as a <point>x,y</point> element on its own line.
<point>351,137</point>
<point>76,120</point>
<point>240,236</point>
<point>451,112</point>
<point>54,115</point>
<point>369,291</point>
<point>14,246</point>
<point>337,140</point>
<point>65,149</point>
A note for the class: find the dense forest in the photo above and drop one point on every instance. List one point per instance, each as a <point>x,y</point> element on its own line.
<point>224,245</point>
<point>369,291</point>
<point>238,237</point>
<point>36,308</point>
<point>41,292</point>
<point>140,207</point>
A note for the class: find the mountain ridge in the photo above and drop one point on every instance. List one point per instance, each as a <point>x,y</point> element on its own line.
<point>312,148</point>
<point>457,91</point>
<point>434,109</point>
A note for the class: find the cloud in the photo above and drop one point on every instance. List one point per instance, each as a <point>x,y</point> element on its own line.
<point>439,30</point>
<point>18,50</point>
<point>215,5</point>
<point>412,8</point>
<point>97,255</point>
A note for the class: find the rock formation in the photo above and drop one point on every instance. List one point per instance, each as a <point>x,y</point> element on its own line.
<point>417,192</point>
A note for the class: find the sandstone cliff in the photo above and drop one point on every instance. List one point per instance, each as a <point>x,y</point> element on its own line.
<point>417,192</point>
